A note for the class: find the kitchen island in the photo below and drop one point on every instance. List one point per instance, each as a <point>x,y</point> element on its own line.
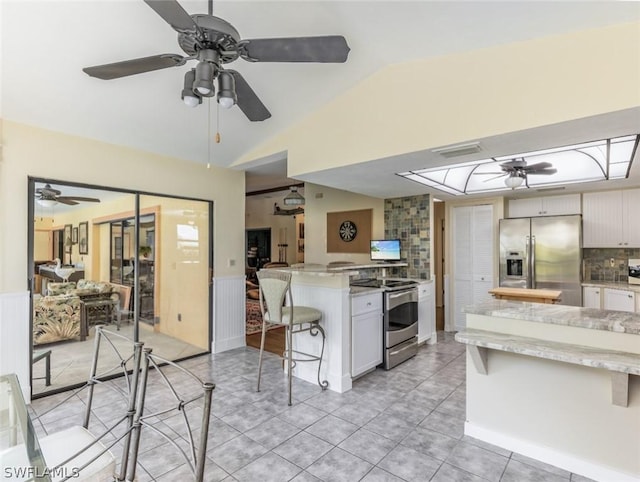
<point>329,290</point>
<point>560,384</point>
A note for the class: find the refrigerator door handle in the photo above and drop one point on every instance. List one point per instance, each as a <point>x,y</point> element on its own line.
<point>533,262</point>
<point>527,258</point>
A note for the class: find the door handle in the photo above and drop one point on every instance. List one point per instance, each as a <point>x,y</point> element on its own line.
<point>533,262</point>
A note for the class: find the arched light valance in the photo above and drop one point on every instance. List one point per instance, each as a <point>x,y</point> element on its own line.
<point>590,161</point>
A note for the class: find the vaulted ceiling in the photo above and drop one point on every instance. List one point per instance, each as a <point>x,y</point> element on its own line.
<point>45,45</point>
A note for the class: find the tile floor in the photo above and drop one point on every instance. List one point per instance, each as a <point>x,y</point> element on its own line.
<point>70,361</point>
<point>402,425</point>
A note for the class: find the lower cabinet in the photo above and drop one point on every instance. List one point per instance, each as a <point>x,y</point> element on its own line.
<point>609,299</point>
<point>591,297</point>
<point>426,312</point>
<point>619,300</point>
<point>366,333</point>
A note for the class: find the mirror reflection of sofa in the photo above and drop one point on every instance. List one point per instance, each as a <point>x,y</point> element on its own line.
<point>70,309</point>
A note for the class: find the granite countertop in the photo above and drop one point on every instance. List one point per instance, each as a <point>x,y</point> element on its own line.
<point>608,320</point>
<point>580,355</point>
<point>364,290</point>
<point>317,271</point>
<point>612,284</point>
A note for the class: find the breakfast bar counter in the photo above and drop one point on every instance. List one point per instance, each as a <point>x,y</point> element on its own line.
<point>560,384</point>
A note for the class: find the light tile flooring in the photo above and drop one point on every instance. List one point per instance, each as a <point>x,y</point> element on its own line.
<point>402,425</point>
<point>70,361</point>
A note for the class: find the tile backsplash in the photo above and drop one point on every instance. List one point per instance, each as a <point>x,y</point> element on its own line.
<point>597,263</point>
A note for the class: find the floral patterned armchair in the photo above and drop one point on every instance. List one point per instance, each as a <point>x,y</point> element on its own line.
<point>56,318</point>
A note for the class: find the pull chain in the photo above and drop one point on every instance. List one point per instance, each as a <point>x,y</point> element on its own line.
<point>217,123</point>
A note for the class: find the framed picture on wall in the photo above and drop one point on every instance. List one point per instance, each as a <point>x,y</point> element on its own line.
<point>67,238</point>
<point>74,235</point>
<point>83,238</point>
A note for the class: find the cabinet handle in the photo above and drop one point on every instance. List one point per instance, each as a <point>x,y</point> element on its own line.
<point>369,303</point>
<point>619,244</point>
<point>630,296</point>
<point>597,292</point>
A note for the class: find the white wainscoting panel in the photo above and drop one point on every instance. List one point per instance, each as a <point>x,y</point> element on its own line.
<point>229,312</point>
<point>14,338</point>
<point>336,320</point>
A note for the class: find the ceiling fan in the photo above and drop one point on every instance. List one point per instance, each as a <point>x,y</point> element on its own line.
<point>516,171</point>
<point>214,42</point>
<point>47,196</point>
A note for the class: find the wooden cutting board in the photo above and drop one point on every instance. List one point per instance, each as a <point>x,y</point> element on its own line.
<point>523,294</point>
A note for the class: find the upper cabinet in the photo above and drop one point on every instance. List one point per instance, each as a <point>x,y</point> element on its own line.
<point>609,221</point>
<point>544,206</point>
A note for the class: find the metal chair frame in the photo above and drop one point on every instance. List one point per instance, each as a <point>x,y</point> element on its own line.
<point>274,301</point>
<point>129,394</point>
<point>195,458</point>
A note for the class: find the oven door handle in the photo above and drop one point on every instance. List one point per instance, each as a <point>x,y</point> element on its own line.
<point>404,348</point>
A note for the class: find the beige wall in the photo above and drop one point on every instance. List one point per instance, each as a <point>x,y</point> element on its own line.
<point>333,200</point>
<point>467,96</point>
<point>36,152</point>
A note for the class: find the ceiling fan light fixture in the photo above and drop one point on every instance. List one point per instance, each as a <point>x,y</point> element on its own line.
<point>203,85</point>
<point>226,90</point>
<point>47,203</point>
<point>188,95</point>
<point>514,180</point>
<point>294,198</point>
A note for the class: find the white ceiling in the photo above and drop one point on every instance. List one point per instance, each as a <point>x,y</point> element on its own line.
<point>45,45</point>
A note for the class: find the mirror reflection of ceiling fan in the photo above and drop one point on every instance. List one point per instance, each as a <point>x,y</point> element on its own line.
<point>214,42</point>
<point>516,171</point>
<point>47,196</point>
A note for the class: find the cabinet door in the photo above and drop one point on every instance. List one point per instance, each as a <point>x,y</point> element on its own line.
<point>602,219</point>
<point>630,224</point>
<point>591,297</point>
<point>366,347</point>
<point>525,208</point>
<point>426,312</point>
<point>561,205</point>
<point>619,300</point>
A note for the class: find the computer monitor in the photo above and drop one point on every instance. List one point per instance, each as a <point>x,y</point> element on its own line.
<point>385,250</point>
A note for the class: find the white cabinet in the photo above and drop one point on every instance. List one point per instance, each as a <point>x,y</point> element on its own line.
<point>545,206</point>
<point>426,313</point>
<point>619,300</point>
<point>591,297</point>
<point>610,219</point>
<point>472,258</point>
<point>366,332</point>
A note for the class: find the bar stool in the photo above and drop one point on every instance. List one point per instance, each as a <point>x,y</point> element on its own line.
<point>274,287</point>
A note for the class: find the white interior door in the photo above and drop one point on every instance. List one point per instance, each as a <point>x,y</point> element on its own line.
<point>473,258</point>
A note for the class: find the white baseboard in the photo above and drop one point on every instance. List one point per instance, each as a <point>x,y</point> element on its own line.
<point>549,455</point>
<point>218,346</point>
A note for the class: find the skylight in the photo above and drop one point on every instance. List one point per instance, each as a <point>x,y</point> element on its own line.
<point>587,162</point>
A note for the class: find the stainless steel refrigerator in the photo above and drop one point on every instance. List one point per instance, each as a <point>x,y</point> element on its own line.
<point>543,253</point>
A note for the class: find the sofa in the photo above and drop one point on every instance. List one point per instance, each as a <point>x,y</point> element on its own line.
<point>69,309</point>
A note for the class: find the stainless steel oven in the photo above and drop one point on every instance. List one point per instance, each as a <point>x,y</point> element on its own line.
<point>400,325</point>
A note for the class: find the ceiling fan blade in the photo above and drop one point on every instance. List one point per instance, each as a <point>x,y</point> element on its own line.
<point>77,198</point>
<point>248,101</point>
<point>134,66</point>
<point>546,172</point>
<point>67,201</point>
<point>330,48</point>
<point>173,13</point>
<point>486,173</point>
<point>538,166</point>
